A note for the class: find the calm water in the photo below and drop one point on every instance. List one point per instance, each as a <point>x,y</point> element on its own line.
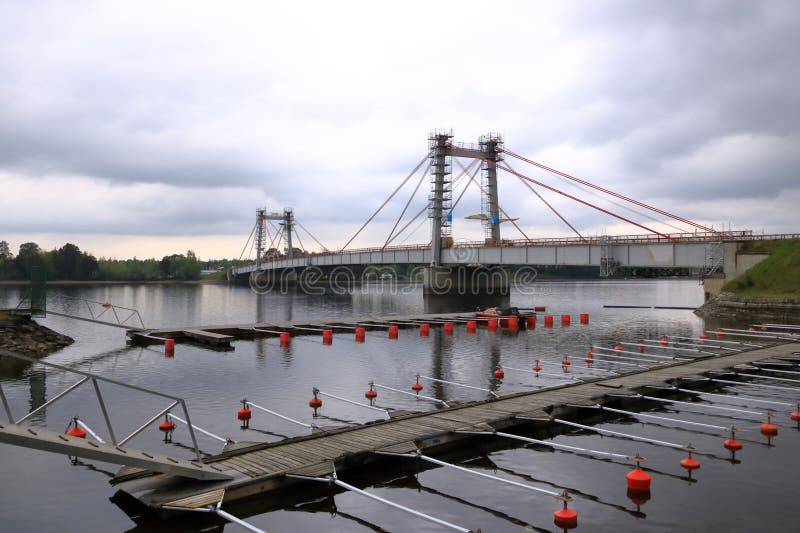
<point>44,492</point>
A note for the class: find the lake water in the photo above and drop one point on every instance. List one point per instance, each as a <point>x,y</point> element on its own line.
<point>44,492</point>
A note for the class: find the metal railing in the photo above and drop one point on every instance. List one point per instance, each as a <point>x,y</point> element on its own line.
<point>95,379</point>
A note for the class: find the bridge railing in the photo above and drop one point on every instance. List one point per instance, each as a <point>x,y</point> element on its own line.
<point>698,237</point>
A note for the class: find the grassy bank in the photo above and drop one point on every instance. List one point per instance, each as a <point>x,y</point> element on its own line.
<point>778,276</point>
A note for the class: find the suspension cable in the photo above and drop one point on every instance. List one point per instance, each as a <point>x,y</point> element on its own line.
<point>405,208</point>
<point>571,197</point>
<point>612,193</point>
<point>311,235</point>
<point>387,201</point>
<point>483,191</point>
<point>248,241</point>
<point>553,209</point>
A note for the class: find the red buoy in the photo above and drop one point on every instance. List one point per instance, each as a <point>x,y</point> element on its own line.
<point>565,518</point>
<point>584,318</point>
<point>424,330</point>
<point>472,326</point>
<point>285,339</point>
<point>703,336</point>
<point>795,416</point>
<point>492,324</point>
<point>689,463</point>
<point>732,444</point>
<point>536,368</point>
<point>371,393</point>
<point>417,386</point>
<point>664,341</point>
<point>169,347</point>
<point>751,328</point>
<point>393,332</point>
<point>167,426</point>
<point>565,320</point>
<point>548,321</point>
<point>718,334</point>
<point>513,323</point>
<point>618,348</point>
<point>327,336</point>
<point>768,429</point>
<point>590,352</point>
<point>589,360</point>
<point>499,373</point>
<point>641,346</point>
<point>530,322</point>
<point>448,328</point>
<point>76,430</point>
<point>637,478</point>
<point>565,363</point>
<point>315,403</point>
<point>361,334</point>
<point>244,414</point>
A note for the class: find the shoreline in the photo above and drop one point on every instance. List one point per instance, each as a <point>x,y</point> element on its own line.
<point>22,283</point>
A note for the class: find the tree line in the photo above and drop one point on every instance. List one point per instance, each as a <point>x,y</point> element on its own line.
<point>70,263</point>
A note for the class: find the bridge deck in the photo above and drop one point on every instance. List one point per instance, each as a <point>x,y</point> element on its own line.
<point>263,466</point>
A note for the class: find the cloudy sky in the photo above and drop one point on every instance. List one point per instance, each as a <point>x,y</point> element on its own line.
<point>146,128</point>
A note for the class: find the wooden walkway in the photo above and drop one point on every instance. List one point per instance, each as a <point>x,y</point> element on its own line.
<point>223,335</point>
<point>259,468</point>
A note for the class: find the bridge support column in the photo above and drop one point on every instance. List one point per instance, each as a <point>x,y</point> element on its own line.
<point>466,281</point>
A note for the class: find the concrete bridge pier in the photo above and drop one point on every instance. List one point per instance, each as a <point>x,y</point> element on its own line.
<point>466,281</point>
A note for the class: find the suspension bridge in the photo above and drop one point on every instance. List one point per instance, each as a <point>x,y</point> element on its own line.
<point>480,267</point>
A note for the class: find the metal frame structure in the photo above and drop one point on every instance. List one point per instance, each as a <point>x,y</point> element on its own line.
<point>95,379</point>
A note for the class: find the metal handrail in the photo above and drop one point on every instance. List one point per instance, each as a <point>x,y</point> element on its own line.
<point>95,378</point>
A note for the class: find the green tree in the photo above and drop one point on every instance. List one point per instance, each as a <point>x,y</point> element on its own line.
<point>29,255</point>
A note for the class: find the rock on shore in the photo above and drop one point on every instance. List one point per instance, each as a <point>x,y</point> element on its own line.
<point>728,305</point>
<point>25,336</point>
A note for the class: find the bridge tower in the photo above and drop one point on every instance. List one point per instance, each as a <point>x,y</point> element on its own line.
<point>287,223</point>
<point>490,207</point>
<point>441,196</point>
<point>261,220</point>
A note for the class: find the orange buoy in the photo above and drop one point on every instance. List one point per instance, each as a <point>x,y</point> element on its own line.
<point>472,326</point>
<point>703,336</point>
<point>548,321</point>
<point>167,427</point>
<point>768,429</point>
<point>795,416</point>
<point>530,322</point>
<point>690,463</point>
<point>565,518</point>
<point>536,368</point>
<point>641,346</point>
<point>315,403</point>
<point>751,328</point>
<point>513,323</point>
<point>285,339</point>
<point>417,386</point>
<point>565,363</point>
<point>492,324</point>
<point>327,336</point>
<point>584,318</point>
<point>499,373</point>
<point>371,393</point>
<point>424,330</point>
<point>732,444</point>
<point>590,352</point>
<point>539,308</point>
<point>361,334</point>
<point>169,347</point>
<point>618,348</point>
<point>244,414</point>
<point>565,320</point>
<point>638,479</point>
<point>76,430</point>
<point>393,332</point>
<point>448,328</point>
<point>718,334</point>
<point>664,341</point>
